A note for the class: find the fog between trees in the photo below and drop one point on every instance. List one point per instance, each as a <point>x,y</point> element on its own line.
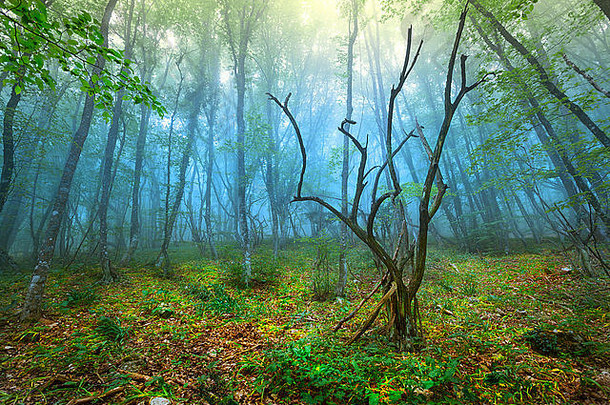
<point>203,156</point>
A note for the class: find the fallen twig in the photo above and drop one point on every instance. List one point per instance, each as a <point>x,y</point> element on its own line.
<point>136,376</point>
<point>247,349</point>
<point>55,379</point>
<point>97,396</point>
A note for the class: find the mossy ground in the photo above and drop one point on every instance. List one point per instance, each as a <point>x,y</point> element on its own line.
<point>195,338</point>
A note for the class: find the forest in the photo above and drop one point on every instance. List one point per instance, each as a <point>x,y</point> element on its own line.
<point>305,202</point>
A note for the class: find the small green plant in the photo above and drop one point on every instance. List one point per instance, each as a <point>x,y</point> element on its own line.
<point>162,386</point>
<point>542,342</point>
<point>222,302</point>
<point>110,329</point>
<point>163,311</point>
<point>470,288</point>
<point>234,274</point>
<point>83,297</point>
<point>322,272</point>
<point>266,270</point>
<point>199,292</point>
<point>214,298</point>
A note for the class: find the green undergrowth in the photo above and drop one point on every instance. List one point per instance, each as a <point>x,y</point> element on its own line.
<point>498,330</point>
<point>320,371</point>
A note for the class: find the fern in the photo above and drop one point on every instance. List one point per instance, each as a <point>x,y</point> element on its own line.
<point>110,329</point>
<point>80,298</point>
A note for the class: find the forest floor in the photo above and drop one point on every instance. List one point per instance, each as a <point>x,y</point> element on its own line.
<point>521,328</point>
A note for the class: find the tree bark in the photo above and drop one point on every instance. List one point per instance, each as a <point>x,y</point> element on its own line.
<point>31,307</point>
<point>239,34</point>
<point>554,146</point>
<point>8,144</point>
<point>134,228</point>
<point>545,79</point>
<point>179,189</point>
<point>349,109</point>
<point>109,274</point>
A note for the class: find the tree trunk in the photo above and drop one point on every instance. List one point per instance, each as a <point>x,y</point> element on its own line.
<point>179,189</point>
<point>349,109</point>
<point>134,229</point>
<point>239,34</point>
<point>8,144</point>
<point>31,307</point>
<point>209,182</point>
<point>555,149</point>
<point>545,79</point>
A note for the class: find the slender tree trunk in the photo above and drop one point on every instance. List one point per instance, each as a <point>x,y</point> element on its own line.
<point>33,299</point>
<point>349,109</point>
<point>208,186</point>
<point>134,229</point>
<point>179,189</point>
<point>192,221</point>
<point>555,149</point>
<point>545,79</point>
<point>109,274</point>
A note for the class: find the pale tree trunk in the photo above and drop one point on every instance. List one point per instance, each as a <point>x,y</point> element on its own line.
<point>241,169</point>
<point>33,299</point>
<point>109,274</point>
<point>207,216</point>
<point>353,34</point>
<point>270,177</point>
<point>239,34</point>
<point>179,189</point>
<point>192,222</point>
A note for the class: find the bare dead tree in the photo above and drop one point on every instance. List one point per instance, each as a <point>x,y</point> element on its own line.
<point>400,295</point>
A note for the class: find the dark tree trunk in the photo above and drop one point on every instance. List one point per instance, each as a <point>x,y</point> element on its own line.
<point>545,79</point>
<point>554,146</point>
<point>179,189</point>
<point>134,228</point>
<point>8,144</point>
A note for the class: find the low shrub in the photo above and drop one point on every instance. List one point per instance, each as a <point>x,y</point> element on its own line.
<point>214,298</point>
<point>265,271</point>
<point>319,372</point>
<point>83,297</point>
<point>110,329</point>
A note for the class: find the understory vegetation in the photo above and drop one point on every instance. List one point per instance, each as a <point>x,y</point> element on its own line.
<point>519,328</point>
